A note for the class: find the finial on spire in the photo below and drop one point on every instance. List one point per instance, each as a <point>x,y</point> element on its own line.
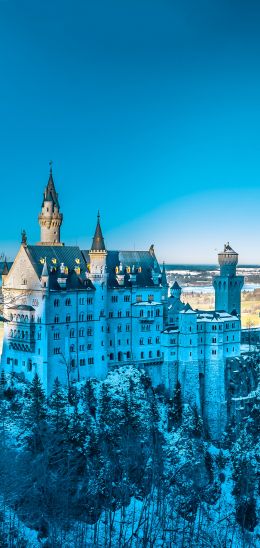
<point>98,215</point>
<point>24,237</point>
<point>50,164</point>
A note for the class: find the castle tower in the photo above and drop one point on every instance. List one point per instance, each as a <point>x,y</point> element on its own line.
<point>98,276</point>
<point>50,218</point>
<point>228,285</point>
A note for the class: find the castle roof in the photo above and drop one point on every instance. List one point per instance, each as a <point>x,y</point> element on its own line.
<point>140,263</point>
<point>98,243</point>
<point>60,262</point>
<point>72,263</point>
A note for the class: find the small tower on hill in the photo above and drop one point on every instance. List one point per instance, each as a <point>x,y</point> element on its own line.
<point>50,218</point>
<point>228,285</point>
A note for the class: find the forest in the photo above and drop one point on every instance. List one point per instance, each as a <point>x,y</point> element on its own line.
<point>119,463</point>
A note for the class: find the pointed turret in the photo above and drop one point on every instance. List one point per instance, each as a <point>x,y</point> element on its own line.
<point>176,290</point>
<point>45,275</point>
<point>98,243</point>
<point>164,282</point>
<point>50,194</point>
<point>50,218</point>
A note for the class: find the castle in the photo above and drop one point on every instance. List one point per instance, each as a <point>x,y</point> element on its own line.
<point>74,314</point>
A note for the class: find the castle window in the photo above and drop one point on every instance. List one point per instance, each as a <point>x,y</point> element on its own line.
<point>119,342</point>
<point>89,300</point>
<point>82,361</point>
<point>158,353</point>
<point>67,318</point>
<point>90,361</point>
<point>227,349</point>
<point>119,314</point>
<point>72,348</point>
<point>141,313</point>
<point>56,319</point>
<point>120,356</point>
<point>73,362</point>
<point>233,349</point>
<point>142,355</point>
<point>214,340</point>
<point>114,299</point>
<point>56,350</point>
<point>220,327</point>
<point>157,327</point>
<point>89,346</point>
<point>157,340</point>
<point>127,298</point>
<point>128,355</point>
<point>141,341</point>
<point>148,314</point>
<point>89,317</point>
<point>150,298</point>
<point>111,356</point>
<point>149,340</point>
<point>81,347</point>
<point>127,327</point>
<point>89,331</point>
<point>172,341</point>
<point>214,352</point>
<point>127,314</point>
<point>67,302</point>
<point>227,338</point>
<point>233,325</point>
<point>110,343</point>
<point>81,317</point>
<point>138,298</point>
<point>157,312</point>
<point>190,341</point>
<point>150,354</point>
<point>110,315</point>
<point>127,341</point>
<point>227,325</point>
<point>119,328</point>
<point>56,302</point>
<point>81,332</point>
<point>39,336</point>
<point>190,328</point>
<point>81,300</point>
<point>72,333</point>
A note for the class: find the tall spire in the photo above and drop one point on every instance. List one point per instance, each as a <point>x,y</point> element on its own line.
<point>98,243</point>
<point>50,194</point>
<point>164,277</point>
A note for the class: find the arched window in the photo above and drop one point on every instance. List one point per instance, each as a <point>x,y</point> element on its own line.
<point>111,356</point>
<point>72,333</point>
<point>72,348</point>
<point>81,317</point>
<point>67,318</point>
<point>120,356</point>
<point>157,312</point>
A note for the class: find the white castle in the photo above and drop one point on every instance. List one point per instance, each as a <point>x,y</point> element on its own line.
<point>74,314</point>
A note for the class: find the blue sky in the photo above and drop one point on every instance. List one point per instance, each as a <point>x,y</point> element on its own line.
<point>150,111</point>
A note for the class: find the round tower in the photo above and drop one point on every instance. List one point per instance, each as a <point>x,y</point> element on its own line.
<point>228,260</point>
<point>50,218</point>
<point>228,285</point>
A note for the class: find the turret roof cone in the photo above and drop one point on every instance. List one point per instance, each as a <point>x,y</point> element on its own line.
<point>45,269</point>
<point>98,243</point>
<point>50,194</point>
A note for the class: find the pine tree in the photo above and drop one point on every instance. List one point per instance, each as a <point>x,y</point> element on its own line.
<point>57,405</point>
<point>36,415</point>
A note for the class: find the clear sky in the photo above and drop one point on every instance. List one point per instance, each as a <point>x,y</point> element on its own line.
<point>150,111</point>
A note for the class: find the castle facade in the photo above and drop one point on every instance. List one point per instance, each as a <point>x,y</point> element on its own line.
<point>74,314</point>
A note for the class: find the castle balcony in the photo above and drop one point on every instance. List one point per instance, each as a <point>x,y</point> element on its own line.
<point>22,345</point>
